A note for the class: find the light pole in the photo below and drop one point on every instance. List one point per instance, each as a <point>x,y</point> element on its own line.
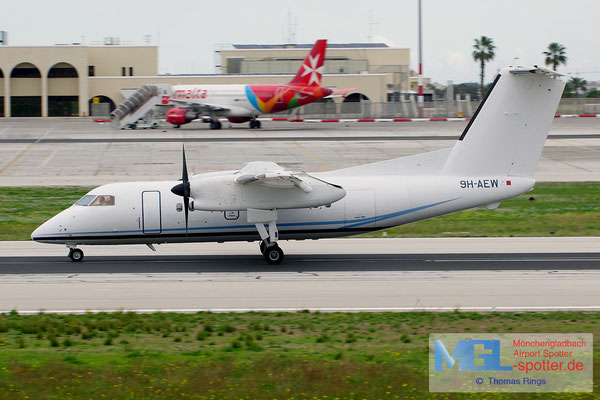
<point>420,98</point>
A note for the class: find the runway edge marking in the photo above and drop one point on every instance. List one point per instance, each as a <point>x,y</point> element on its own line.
<point>313,309</point>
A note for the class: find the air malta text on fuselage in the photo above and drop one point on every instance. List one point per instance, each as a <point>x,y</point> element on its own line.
<point>481,183</point>
<point>190,94</point>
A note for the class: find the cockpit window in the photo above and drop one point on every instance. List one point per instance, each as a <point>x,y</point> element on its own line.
<point>103,200</point>
<point>96,200</point>
<point>86,200</point>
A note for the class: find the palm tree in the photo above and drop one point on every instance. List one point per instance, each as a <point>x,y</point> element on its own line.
<point>484,52</point>
<point>575,85</point>
<point>555,55</point>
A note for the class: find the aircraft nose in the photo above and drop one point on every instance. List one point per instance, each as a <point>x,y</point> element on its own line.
<point>40,230</point>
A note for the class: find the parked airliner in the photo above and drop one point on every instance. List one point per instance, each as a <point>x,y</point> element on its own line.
<point>494,159</point>
<point>243,103</point>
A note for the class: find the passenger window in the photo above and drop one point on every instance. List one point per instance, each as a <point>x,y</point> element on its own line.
<point>86,200</point>
<point>103,200</point>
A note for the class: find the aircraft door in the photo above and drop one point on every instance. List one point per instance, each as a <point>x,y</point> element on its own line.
<point>359,208</point>
<point>151,219</point>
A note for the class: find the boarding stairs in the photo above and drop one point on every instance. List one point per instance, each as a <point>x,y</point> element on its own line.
<point>139,104</point>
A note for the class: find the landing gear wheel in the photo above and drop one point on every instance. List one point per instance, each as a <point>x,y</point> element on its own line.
<point>76,255</point>
<point>273,255</point>
<point>177,126</point>
<point>254,124</point>
<point>263,247</point>
<point>215,125</point>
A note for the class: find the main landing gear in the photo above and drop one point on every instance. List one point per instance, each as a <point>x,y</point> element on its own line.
<point>254,124</point>
<point>273,253</point>
<point>268,244</point>
<point>76,255</point>
<point>215,124</point>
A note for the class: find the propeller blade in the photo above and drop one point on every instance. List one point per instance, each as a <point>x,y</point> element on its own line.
<point>184,174</point>
<point>183,189</point>
<point>186,204</point>
<point>186,188</point>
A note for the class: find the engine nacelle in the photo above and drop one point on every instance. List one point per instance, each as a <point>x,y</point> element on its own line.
<point>222,193</point>
<point>238,120</point>
<point>181,116</point>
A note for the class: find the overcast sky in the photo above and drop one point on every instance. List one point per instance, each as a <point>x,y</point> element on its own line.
<point>188,31</point>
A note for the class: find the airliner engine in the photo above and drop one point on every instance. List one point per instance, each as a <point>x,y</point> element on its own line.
<point>181,116</point>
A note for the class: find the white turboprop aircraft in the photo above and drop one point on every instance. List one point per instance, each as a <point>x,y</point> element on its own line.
<point>494,159</point>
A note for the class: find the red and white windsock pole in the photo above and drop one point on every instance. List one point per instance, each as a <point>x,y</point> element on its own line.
<point>420,98</point>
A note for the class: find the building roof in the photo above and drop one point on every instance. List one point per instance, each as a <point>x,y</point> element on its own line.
<point>308,46</point>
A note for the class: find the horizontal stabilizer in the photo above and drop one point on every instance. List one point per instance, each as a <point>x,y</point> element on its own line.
<point>341,93</point>
<point>535,70</point>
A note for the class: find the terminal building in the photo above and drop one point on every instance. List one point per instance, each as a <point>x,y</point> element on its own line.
<point>78,80</point>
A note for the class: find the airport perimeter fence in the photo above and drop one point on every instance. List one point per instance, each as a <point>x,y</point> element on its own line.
<point>409,109</point>
<point>405,109</point>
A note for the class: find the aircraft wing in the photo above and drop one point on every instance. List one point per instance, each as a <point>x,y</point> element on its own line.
<point>200,107</point>
<point>273,175</point>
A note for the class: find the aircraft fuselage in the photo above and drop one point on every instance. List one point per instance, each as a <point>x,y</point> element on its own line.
<point>149,213</point>
<point>247,100</point>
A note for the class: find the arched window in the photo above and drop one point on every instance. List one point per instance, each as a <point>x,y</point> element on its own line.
<point>26,91</point>
<point>63,90</point>
<point>101,106</point>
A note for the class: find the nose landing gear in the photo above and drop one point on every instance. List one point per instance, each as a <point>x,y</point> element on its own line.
<point>76,255</point>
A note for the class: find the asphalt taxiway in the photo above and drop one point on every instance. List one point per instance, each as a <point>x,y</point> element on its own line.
<point>59,152</point>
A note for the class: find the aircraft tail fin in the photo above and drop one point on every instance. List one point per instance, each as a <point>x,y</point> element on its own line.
<point>506,135</point>
<point>311,69</point>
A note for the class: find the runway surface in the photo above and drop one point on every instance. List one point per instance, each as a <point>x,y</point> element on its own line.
<point>299,263</point>
<point>370,275</point>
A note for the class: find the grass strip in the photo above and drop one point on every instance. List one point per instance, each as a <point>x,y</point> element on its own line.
<point>248,355</point>
<point>22,209</point>
<point>551,209</point>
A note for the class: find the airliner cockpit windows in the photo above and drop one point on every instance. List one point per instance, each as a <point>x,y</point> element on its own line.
<point>103,200</point>
<point>86,200</point>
